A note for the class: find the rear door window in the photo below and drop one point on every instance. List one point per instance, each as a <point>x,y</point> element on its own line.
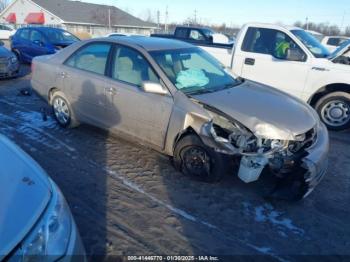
<point>37,36</point>
<point>196,35</point>
<point>131,67</point>
<point>92,58</point>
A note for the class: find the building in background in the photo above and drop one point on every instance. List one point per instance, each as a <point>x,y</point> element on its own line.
<point>74,16</point>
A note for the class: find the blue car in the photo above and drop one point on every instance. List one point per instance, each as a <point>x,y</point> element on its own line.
<point>30,42</point>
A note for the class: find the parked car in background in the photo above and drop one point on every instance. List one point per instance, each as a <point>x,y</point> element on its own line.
<point>36,223</point>
<point>197,35</point>
<point>179,100</point>
<point>9,65</point>
<point>333,42</point>
<point>204,38</point>
<point>6,32</point>
<point>30,42</point>
<point>292,60</point>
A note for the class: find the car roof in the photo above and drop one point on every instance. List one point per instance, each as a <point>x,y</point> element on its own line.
<point>273,26</point>
<point>42,28</point>
<point>148,43</point>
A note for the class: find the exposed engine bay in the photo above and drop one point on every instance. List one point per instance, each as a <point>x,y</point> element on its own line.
<point>255,152</point>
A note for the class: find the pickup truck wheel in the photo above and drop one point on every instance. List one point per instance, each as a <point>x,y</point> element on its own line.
<point>62,110</point>
<point>193,158</point>
<point>334,110</point>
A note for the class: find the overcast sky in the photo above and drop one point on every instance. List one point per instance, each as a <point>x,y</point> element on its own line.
<point>233,12</point>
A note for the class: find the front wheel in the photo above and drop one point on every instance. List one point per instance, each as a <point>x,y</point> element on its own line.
<point>334,110</point>
<point>198,161</point>
<point>62,110</point>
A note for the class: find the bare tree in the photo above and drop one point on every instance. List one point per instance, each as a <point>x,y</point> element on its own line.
<point>4,4</point>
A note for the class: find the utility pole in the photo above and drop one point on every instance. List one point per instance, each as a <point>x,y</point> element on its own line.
<point>342,21</point>
<point>166,19</point>
<point>307,23</point>
<point>158,20</point>
<point>195,16</point>
<point>109,18</point>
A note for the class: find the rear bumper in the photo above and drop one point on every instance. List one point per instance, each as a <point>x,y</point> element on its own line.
<point>316,162</point>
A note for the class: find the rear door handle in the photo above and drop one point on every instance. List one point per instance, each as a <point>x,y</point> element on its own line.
<point>249,61</point>
<point>63,74</point>
<point>111,90</point>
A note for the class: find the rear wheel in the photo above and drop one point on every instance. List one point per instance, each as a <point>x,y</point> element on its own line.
<point>334,110</point>
<point>198,161</point>
<point>62,110</point>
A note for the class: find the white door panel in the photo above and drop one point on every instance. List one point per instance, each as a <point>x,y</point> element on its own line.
<point>287,76</point>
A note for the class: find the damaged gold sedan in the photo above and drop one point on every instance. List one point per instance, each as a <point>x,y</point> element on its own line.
<point>180,101</point>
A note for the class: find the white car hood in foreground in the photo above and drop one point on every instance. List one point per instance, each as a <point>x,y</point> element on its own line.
<point>24,194</point>
<point>267,112</point>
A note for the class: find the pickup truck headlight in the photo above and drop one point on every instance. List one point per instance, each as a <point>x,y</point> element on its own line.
<point>52,233</point>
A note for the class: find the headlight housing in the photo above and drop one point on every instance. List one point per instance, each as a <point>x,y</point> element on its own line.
<point>241,139</point>
<point>13,60</point>
<point>50,237</point>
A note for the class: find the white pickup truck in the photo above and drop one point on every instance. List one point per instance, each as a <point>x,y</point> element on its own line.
<point>292,60</point>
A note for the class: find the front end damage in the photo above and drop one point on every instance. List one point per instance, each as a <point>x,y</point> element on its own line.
<point>298,161</point>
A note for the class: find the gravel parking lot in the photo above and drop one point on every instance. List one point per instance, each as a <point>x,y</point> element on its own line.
<point>129,200</point>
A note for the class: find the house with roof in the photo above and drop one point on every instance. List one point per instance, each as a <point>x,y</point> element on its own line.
<point>74,16</point>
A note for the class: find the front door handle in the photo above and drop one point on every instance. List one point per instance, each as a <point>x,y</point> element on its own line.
<point>249,61</point>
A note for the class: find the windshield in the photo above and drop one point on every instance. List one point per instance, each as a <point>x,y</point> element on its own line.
<point>315,47</point>
<point>60,36</point>
<point>193,71</point>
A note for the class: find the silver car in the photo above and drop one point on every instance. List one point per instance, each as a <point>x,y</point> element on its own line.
<point>179,100</point>
<point>36,223</point>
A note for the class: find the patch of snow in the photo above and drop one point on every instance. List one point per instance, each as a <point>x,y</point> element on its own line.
<point>267,214</point>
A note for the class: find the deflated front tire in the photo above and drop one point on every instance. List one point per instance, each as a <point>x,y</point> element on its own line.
<point>193,158</point>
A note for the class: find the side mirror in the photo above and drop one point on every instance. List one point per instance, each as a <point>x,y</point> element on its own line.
<point>2,43</point>
<point>154,88</point>
<point>295,54</point>
<point>211,39</point>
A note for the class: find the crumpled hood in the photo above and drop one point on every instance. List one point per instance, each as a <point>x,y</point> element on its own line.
<point>24,194</point>
<point>267,112</point>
